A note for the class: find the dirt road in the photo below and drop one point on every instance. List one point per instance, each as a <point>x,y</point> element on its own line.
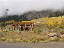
<point>32,45</point>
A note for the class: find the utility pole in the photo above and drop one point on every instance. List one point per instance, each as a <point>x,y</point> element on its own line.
<point>6,12</point>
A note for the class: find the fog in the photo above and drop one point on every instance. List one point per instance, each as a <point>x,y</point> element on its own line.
<point>21,6</point>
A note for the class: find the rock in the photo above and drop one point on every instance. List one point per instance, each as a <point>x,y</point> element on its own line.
<point>52,34</point>
<point>61,33</point>
<point>62,36</point>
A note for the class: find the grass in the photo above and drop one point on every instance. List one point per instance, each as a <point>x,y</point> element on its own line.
<point>27,37</point>
<point>22,37</point>
<point>40,31</point>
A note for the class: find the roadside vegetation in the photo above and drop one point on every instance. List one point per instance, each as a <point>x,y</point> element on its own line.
<point>53,24</point>
<point>45,30</point>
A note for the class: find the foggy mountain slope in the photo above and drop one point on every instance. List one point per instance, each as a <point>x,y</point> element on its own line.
<point>44,13</point>
<point>32,15</point>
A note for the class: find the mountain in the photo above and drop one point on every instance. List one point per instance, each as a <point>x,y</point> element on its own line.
<point>32,15</point>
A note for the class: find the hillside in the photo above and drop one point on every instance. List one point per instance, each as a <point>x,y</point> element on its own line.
<point>33,15</point>
<point>45,30</point>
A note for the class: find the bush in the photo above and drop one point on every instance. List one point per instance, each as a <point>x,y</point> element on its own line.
<point>3,39</point>
<point>38,28</point>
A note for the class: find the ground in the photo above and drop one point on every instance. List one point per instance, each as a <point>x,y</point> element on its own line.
<point>32,45</point>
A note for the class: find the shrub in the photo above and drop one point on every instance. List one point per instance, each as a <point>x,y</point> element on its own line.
<point>3,39</point>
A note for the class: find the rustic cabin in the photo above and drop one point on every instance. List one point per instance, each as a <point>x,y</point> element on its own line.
<point>24,26</point>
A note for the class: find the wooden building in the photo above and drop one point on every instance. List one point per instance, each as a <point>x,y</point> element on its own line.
<point>23,26</point>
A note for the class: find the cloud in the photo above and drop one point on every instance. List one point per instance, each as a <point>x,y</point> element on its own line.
<point>20,6</point>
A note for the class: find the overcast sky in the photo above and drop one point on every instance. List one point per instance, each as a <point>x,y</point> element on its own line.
<point>20,6</point>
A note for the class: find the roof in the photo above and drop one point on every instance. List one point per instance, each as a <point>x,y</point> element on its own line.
<point>23,22</point>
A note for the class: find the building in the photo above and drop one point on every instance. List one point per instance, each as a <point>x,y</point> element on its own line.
<point>23,26</point>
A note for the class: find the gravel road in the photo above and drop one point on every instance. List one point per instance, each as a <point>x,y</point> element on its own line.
<point>32,45</point>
